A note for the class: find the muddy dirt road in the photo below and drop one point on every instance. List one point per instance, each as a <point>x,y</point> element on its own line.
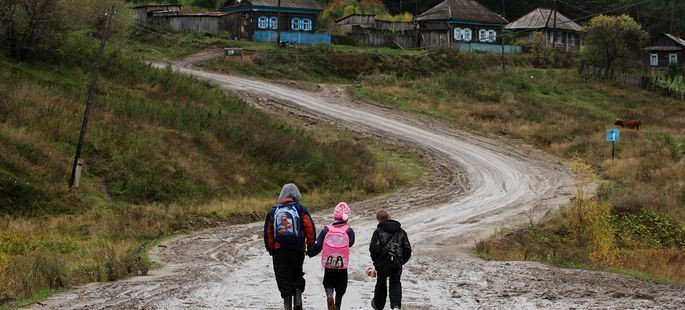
<point>477,186</point>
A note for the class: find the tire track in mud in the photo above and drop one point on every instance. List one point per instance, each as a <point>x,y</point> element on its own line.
<point>478,186</point>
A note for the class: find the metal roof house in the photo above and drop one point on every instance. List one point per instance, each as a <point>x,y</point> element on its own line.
<point>259,20</point>
<point>555,27</point>
<point>460,23</point>
<point>666,49</point>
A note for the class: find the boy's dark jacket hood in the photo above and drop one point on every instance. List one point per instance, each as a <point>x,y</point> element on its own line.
<point>390,226</point>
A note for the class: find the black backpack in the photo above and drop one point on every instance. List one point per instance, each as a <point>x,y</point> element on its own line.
<point>392,247</point>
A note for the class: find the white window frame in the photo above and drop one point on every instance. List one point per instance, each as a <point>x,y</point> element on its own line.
<point>273,22</point>
<point>458,34</point>
<point>482,33</point>
<point>468,34</point>
<point>654,59</point>
<point>572,40</point>
<point>492,35</point>
<point>672,58</point>
<point>295,24</point>
<point>306,24</point>
<point>262,22</point>
<point>487,35</point>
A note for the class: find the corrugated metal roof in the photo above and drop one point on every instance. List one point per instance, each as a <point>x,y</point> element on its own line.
<point>294,4</point>
<point>462,10</point>
<point>540,18</point>
<point>675,39</point>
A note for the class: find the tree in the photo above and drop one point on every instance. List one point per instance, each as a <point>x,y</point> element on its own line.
<point>613,42</point>
<point>30,27</point>
<point>542,56</point>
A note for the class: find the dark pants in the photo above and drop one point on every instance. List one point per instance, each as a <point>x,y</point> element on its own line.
<point>393,273</point>
<point>336,279</point>
<point>288,271</point>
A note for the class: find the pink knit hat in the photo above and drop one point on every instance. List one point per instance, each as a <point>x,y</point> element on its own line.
<point>342,212</point>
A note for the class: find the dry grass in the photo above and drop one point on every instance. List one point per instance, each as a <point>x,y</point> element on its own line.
<point>663,263</point>
<point>106,244</point>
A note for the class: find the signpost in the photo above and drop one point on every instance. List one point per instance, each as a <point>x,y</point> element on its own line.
<point>612,136</point>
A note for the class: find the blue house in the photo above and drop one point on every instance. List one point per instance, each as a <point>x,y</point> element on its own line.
<point>258,20</point>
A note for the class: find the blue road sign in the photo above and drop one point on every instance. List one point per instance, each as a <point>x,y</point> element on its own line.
<point>612,134</point>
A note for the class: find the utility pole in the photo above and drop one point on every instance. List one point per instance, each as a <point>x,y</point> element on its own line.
<point>547,29</point>
<point>504,13</point>
<point>554,28</point>
<point>672,15</point>
<point>89,103</point>
<point>278,24</point>
<point>416,27</point>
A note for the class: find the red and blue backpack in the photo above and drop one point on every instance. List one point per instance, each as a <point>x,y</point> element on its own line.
<point>287,223</point>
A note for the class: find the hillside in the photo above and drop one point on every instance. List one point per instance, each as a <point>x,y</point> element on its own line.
<point>164,153</point>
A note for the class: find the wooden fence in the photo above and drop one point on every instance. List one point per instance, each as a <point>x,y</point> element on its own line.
<point>645,82</point>
<point>621,77</point>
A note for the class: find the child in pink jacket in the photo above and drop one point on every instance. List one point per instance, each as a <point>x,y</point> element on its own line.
<point>335,241</point>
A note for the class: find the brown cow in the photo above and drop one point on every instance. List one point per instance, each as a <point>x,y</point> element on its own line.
<point>631,123</point>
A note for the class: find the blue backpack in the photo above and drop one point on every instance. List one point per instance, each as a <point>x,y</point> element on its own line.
<point>287,227</point>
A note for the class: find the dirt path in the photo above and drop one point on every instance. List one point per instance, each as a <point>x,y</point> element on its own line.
<point>478,186</point>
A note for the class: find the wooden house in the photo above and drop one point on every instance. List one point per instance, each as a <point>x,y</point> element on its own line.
<point>452,23</point>
<point>367,30</point>
<point>356,22</point>
<point>666,49</point>
<point>211,22</point>
<point>146,12</point>
<point>257,19</point>
<point>556,28</point>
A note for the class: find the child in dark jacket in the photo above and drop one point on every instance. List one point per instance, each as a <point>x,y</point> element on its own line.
<point>335,240</point>
<point>390,250</point>
<point>288,230</point>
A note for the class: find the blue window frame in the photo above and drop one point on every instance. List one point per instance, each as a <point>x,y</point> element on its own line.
<point>273,22</point>
<point>262,22</point>
<point>306,24</point>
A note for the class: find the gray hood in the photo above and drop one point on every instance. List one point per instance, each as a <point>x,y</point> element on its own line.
<point>290,190</point>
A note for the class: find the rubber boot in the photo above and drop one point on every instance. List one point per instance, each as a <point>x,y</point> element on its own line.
<point>297,302</point>
<point>330,300</point>
<point>288,303</point>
